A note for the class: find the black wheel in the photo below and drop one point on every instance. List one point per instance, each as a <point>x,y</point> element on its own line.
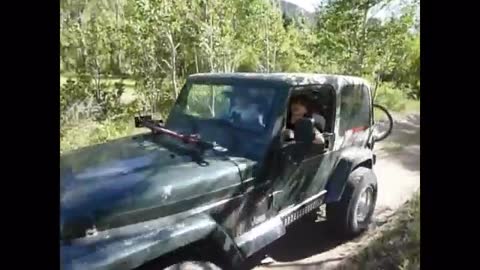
<point>199,256</point>
<point>353,213</point>
<point>381,132</point>
<point>193,265</point>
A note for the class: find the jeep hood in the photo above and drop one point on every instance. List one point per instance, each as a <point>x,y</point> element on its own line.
<point>139,178</point>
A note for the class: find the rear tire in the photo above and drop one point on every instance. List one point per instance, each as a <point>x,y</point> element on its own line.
<point>353,213</point>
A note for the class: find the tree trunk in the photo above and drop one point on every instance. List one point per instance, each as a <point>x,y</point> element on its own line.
<point>196,59</point>
<point>174,73</point>
<point>118,54</point>
<point>267,45</point>
<point>212,67</point>
<point>173,61</point>
<point>363,39</point>
<point>274,59</point>
<point>83,47</point>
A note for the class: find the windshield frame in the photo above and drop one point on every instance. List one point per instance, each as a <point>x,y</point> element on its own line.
<point>262,136</point>
<point>281,92</point>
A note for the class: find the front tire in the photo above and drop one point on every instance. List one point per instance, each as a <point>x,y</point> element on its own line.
<point>193,265</point>
<point>199,256</point>
<point>353,213</point>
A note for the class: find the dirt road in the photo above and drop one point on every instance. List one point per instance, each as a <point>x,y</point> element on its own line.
<point>308,245</point>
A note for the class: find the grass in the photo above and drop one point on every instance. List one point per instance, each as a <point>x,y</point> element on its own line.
<point>398,246</point>
<point>87,132</point>
<point>412,106</point>
<point>396,104</point>
<point>396,100</point>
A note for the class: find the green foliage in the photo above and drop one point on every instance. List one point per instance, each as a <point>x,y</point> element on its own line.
<point>393,98</point>
<point>156,44</point>
<point>87,132</point>
<point>408,73</point>
<point>351,42</point>
<point>75,99</point>
<point>84,98</point>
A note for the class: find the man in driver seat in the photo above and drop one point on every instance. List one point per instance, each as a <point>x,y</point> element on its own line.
<point>298,110</point>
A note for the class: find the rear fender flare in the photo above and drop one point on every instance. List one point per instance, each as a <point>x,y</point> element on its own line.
<point>349,160</point>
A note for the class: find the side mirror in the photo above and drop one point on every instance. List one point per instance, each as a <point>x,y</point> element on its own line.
<point>304,131</point>
<point>304,136</point>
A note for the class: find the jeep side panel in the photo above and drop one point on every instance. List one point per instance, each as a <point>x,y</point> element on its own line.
<point>350,146</point>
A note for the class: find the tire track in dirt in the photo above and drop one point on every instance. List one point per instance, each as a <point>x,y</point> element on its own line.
<point>308,245</point>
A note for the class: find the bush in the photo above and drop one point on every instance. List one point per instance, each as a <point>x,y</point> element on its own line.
<point>88,132</point>
<point>92,113</point>
<point>74,100</point>
<point>393,98</point>
<point>81,99</point>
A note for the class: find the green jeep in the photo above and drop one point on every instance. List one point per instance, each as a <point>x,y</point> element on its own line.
<point>220,180</point>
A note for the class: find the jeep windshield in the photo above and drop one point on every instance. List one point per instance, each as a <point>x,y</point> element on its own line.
<point>237,117</point>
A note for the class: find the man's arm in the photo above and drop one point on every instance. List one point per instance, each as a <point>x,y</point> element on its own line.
<point>318,137</point>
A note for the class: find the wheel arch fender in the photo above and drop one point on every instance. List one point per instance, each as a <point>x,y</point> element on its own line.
<point>349,160</point>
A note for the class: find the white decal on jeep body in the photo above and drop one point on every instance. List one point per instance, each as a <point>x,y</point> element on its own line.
<point>167,192</point>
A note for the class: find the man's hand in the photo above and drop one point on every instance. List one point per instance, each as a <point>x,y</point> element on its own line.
<point>287,134</point>
<point>318,137</point>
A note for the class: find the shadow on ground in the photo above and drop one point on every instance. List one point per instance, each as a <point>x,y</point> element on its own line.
<point>303,239</point>
<point>403,145</point>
